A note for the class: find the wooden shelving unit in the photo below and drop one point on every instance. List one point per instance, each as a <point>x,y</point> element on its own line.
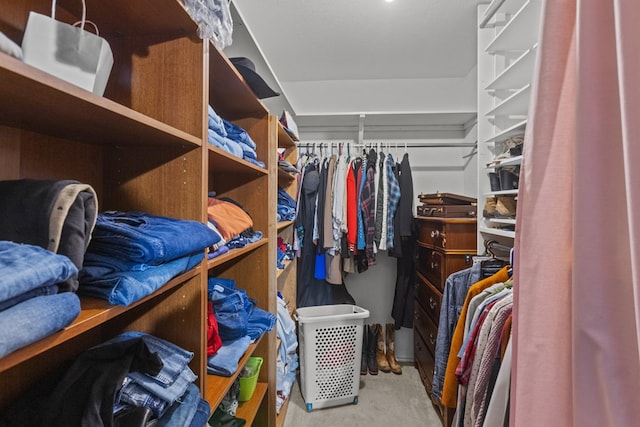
<point>143,147</point>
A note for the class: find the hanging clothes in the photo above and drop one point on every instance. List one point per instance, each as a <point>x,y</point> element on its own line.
<point>404,248</point>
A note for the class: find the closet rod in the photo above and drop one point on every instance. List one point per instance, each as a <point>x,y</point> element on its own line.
<point>373,145</point>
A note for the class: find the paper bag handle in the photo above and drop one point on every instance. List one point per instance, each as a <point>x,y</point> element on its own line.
<point>84,12</point>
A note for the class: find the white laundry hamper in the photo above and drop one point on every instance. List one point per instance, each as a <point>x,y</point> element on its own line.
<point>330,343</point>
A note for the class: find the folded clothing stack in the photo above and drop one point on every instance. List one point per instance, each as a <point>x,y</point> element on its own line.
<point>231,138</point>
<point>239,321</point>
<point>30,306</point>
<point>134,379</point>
<point>232,222</point>
<point>132,254</point>
<point>286,206</point>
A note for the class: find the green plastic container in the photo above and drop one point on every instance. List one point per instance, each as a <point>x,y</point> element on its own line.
<point>248,383</point>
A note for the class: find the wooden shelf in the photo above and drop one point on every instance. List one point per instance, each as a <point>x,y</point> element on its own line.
<point>248,410</point>
<point>283,412</point>
<point>286,176</point>
<point>96,120</point>
<point>284,139</point>
<point>222,161</point>
<point>218,386</point>
<point>284,224</point>
<point>287,266</point>
<point>234,253</point>
<point>229,94</point>
<point>94,312</point>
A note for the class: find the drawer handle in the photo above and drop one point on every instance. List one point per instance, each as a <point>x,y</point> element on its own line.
<point>432,303</point>
<point>434,264</point>
<point>416,315</point>
<point>435,233</point>
<point>432,340</point>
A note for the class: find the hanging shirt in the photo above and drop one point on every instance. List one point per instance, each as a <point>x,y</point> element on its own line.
<point>339,189</point>
<point>368,205</point>
<point>379,199</point>
<point>394,198</point>
<point>361,242</point>
<point>352,215</point>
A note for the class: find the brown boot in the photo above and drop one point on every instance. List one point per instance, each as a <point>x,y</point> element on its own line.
<point>391,350</point>
<point>381,358</point>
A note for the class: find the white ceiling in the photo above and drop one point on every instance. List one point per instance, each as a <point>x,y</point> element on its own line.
<point>368,56</point>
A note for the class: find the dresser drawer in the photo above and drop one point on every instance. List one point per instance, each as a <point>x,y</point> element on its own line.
<point>423,324</point>
<point>436,266</point>
<point>429,298</point>
<point>424,361</point>
<point>448,234</point>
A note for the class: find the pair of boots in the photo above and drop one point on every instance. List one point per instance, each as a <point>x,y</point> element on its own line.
<point>374,355</point>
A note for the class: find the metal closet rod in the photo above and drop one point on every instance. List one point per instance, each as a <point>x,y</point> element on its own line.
<point>384,144</point>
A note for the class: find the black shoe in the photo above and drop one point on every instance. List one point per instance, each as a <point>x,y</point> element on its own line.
<point>372,364</point>
<point>363,362</point>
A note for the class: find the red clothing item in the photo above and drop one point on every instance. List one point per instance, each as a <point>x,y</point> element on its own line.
<point>352,207</point>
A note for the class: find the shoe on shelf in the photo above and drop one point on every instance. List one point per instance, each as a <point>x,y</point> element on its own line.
<point>505,207</point>
<point>489,210</point>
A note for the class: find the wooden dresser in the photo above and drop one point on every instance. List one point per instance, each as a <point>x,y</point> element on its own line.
<point>445,245</point>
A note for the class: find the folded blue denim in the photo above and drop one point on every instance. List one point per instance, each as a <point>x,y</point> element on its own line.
<point>242,241</point>
<point>132,394</point>
<point>203,412</point>
<point>237,314</point>
<point>21,274</point>
<point>225,361</point>
<point>236,133</point>
<point>284,199</point>
<point>221,250</point>
<point>259,322</point>
<point>229,309</point>
<point>126,287</point>
<point>168,394</point>
<point>37,292</point>
<point>148,239</point>
<point>215,123</point>
<point>255,162</point>
<point>181,413</point>
<point>36,318</point>
<point>174,358</point>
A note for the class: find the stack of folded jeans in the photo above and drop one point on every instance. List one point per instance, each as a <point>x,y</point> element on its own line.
<point>240,322</point>
<point>30,306</point>
<point>286,206</point>
<point>134,379</point>
<point>132,254</point>
<point>231,138</point>
<point>170,394</point>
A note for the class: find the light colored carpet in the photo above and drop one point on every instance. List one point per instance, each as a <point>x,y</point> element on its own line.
<point>383,400</point>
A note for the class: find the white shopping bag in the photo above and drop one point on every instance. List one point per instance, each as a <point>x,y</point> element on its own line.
<point>68,52</point>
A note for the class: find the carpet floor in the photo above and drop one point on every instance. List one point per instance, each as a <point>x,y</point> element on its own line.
<point>383,400</point>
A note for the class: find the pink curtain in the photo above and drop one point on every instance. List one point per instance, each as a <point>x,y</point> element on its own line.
<point>576,332</point>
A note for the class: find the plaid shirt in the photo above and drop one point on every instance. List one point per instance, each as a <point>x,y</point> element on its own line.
<point>394,198</point>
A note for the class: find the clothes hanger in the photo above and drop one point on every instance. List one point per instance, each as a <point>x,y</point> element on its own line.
<point>491,266</point>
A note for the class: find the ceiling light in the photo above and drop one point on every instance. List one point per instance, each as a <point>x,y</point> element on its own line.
<point>388,1</point>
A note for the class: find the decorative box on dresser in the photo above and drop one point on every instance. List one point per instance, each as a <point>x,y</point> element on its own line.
<point>445,245</point>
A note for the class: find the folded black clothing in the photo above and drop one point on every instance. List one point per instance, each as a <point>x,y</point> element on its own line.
<point>55,215</point>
